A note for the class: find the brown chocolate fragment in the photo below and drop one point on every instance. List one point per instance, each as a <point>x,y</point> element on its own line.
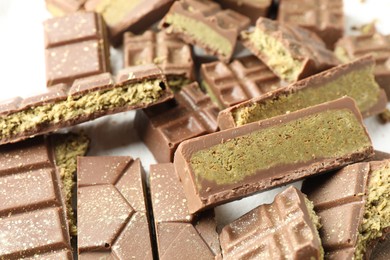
<point>382,250</point>
<point>234,163</point>
<point>33,220</point>
<point>385,116</point>
<point>251,8</point>
<point>112,216</point>
<point>203,23</point>
<point>180,235</point>
<point>285,229</point>
<point>379,156</point>
<point>63,7</point>
<point>76,46</point>
<point>163,127</point>
<point>244,78</point>
<point>324,17</point>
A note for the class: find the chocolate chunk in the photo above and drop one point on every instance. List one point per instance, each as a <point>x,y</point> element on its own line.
<point>285,229</point>
<point>379,156</point>
<point>76,47</point>
<point>163,127</point>
<point>355,79</point>
<point>251,8</point>
<point>231,164</point>
<point>203,23</point>
<point>242,79</point>
<point>112,218</point>
<point>352,206</point>
<point>325,17</point>
<point>291,52</point>
<point>382,250</point>
<point>87,99</point>
<point>63,7</point>
<point>33,220</point>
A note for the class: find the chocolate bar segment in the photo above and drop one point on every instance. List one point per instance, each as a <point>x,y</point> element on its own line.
<point>233,163</point>
<point>351,204</point>
<point>324,17</point>
<point>33,218</point>
<point>285,229</point>
<point>112,217</point>
<point>292,53</point>
<point>87,99</point>
<point>76,47</point>
<point>163,127</point>
<point>244,78</point>
<point>251,8</point>
<point>203,23</point>
<point>354,79</point>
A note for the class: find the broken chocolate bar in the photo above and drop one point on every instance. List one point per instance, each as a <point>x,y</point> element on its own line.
<point>244,78</point>
<point>354,79</point>
<point>111,213</point>
<point>173,56</point>
<point>324,17</point>
<point>203,23</point>
<point>163,127</point>
<point>63,7</point>
<point>353,206</point>
<point>178,234</point>
<point>292,53</point>
<point>87,99</point>
<point>33,220</point>
<point>285,229</point>
<point>251,8</point>
<point>233,163</point>
<point>76,47</point>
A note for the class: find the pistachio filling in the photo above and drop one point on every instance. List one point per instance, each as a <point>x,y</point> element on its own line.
<point>176,82</point>
<point>211,94</point>
<point>376,210</point>
<point>77,106</point>
<point>359,85</point>
<point>114,11</point>
<point>315,219</point>
<point>341,54</point>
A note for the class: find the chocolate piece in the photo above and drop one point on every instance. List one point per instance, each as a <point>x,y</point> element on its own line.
<point>285,229</point>
<point>87,99</point>
<point>251,8</point>
<point>355,79</point>
<point>231,164</point>
<point>178,235</point>
<point>244,78</point>
<point>32,211</point>
<point>163,127</point>
<point>203,23</point>
<point>111,213</point>
<point>291,52</point>
<point>352,206</point>
<point>382,250</point>
<point>172,55</point>
<point>324,17</point>
<point>379,156</point>
<point>76,47</point>
<point>385,116</point>
<point>376,44</point>
<point>135,15</point>
<point>63,7</point>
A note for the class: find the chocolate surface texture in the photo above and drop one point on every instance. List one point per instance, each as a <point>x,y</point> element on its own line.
<point>251,8</point>
<point>230,164</point>
<point>163,127</point>
<point>112,216</point>
<point>285,229</point>
<point>354,79</point>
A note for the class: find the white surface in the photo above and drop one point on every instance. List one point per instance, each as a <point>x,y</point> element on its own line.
<point>22,70</point>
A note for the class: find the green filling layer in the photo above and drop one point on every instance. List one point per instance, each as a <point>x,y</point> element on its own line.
<point>342,54</point>
<point>211,94</point>
<point>177,82</point>
<point>376,210</point>
<point>202,32</point>
<point>328,134</point>
<point>316,222</point>
<point>74,107</point>
<point>114,11</point>
<point>359,85</point>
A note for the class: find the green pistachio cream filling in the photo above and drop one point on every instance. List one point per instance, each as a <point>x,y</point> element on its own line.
<point>315,219</point>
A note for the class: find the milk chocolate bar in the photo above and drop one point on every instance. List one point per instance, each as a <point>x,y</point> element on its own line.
<point>135,15</point>
<point>111,213</point>
<point>203,23</point>
<point>285,229</point>
<point>33,220</point>
<point>251,8</point>
<point>63,7</point>
<point>87,99</point>
<point>173,56</point>
<point>179,234</point>
<point>324,17</point>
<point>76,47</point>
<point>354,79</point>
<point>233,163</point>
<point>244,78</point>
<point>376,44</point>
<point>291,52</point>
<point>163,127</point>
<point>353,206</point>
